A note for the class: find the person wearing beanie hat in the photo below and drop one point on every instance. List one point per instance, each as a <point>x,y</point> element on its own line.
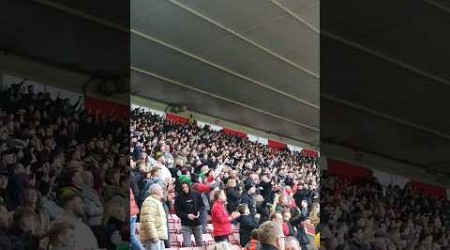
<point>158,155</point>
<point>185,179</point>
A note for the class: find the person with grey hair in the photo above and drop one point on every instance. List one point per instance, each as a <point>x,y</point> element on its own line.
<point>223,245</point>
<point>271,236</point>
<point>153,229</point>
<point>291,243</point>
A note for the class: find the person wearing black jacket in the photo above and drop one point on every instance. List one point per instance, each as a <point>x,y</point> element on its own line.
<point>247,224</point>
<point>187,206</point>
<point>247,197</point>
<point>233,196</point>
<point>22,234</point>
<point>304,193</point>
<point>297,219</point>
<point>266,188</point>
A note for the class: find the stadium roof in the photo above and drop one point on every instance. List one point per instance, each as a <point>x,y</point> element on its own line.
<point>255,63</point>
<point>396,103</point>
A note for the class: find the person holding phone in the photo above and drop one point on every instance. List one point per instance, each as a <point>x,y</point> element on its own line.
<point>188,205</point>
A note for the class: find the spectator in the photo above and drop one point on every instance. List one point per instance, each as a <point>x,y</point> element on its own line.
<point>23,234</point>
<point>62,236</point>
<point>271,236</point>
<point>49,145</point>
<point>153,230</point>
<point>161,163</point>
<point>32,202</point>
<point>204,190</point>
<point>16,185</point>
<point>94,206</point>
<point>188,205</point>
<point>5,218</point>
<point>4,176</point>
<point>253,244</point>
<point>135,243</point>
<point>247,224</point>
<point>233,196</point>
<point>114,222</point>
<point>298,216</point>
<point>363,214</point>
<point>74,212</point>
<point>247,197</point>
<point>223,245</point>
<point>291,243</point>
<point>288,228</point>
<point>220,219</point>
<point>212,160</point>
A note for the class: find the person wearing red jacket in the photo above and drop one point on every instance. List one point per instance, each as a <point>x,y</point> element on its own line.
<point>134,211</point>
<point>221,221</point>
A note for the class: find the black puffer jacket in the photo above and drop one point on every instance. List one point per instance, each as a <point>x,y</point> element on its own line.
<point>190,203</point>
<point>247,224</point>
<point>233,199</point>
<point>250,201</point>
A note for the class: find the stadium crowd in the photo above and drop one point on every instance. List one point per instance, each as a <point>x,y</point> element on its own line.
<point>207,177</point>
<point>362,214</point>
<point>64,174</point>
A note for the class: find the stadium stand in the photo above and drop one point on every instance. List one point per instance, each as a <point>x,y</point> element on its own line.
<point>63,172</point>
<point>177,154</point>
<point>362,211</point>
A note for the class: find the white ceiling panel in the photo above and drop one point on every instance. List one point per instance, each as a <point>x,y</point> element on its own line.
<point>249,61</point>
<point>247,55</point>
<point>300,44</point>
<point>237,15</point>
<point>172,24</point>
<point>196,74</point>
<point>171,93</point>
<point>308,10</point>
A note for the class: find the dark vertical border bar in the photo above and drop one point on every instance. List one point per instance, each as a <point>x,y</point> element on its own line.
<point>65,165</point>
<point>384,99</point>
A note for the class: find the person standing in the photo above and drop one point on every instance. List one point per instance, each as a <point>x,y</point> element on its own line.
<point>74,212</point>
<point>233,196</point>
<point>271,236</point>
<point>188,205</point>
<point>135,243</point>
<point>247,224</point>
<point>220,219</point>
<point>153,229</point>
<point>247,197</point>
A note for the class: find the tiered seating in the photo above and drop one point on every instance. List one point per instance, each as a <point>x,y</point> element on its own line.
<point>176,238</point>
